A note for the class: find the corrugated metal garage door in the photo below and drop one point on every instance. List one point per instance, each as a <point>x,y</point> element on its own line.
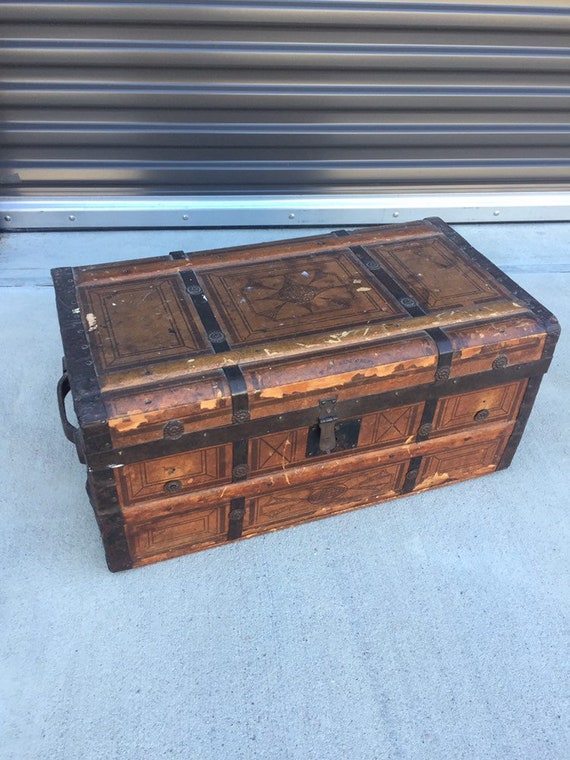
<point>307,97</point>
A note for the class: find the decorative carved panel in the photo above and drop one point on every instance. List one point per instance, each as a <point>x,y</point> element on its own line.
<point>433,273</point>
<point>170,533</point>
<point>390,425</point>
<point>336,494</point>
<point>122,336</point>
<point>173,474</point>
<point>276,451</point>
<point>460,462</point>
<point>279,299</point>
<point>496,404</point>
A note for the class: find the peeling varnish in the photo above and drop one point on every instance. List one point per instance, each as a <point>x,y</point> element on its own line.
<point>289,348</point>
<point>363,290</point>
<point>337,337</point>
<point>284,461</point>
<point>127,424</point>
<point>91,322</point>
<point>438,479</point>
<point>209,403</point>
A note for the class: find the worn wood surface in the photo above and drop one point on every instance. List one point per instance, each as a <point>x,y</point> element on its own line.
<point>330,488</point>
<point>184,348</point>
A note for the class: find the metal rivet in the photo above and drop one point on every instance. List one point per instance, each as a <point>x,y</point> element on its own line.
<point>408,303</point>
<point>501,362</point>
<point>194,290</point>
<point>291,216</point>
<point>496,213</point>
<point>237,514</point>
<point>185,217</point>
<point>7,218</point>
<point>442,374</point>
<point>173,430</point>
<point>396,214</point>
<point>240,471</point>
<point>481,415</point>
<point>172,486</point>
<point>216,336</point>
<point>71,218</point>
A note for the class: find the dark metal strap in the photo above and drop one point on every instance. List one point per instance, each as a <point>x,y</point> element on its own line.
<point>445,351</point>
<point>95,435</point>
<point>238,390</point>
<point>547,318</point>
<point>427,419</point>
<point>237,513</point>
<point>412,474</point>
<point>207,317</point>
<point>444,347</point>
<point>239,472</point>
<point>391,285</point>
<point>234,375</point>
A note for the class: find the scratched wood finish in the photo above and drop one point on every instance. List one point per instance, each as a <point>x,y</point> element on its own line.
<point>198,381</point>
<point>333,488</point>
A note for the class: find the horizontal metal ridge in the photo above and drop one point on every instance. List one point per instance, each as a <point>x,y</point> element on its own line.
<point>215,210</point>
<point>260,165</point>
<point>281,129</point>
<point>264,50</point>
<point>110,90</point>
<point>133,10</point>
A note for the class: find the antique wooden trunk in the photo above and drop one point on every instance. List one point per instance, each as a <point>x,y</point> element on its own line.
<point>223,394</point>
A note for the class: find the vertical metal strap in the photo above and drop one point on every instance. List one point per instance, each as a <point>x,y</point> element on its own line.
<point>237,512</point>
<point>236,383</point>
<point>410,305</point>
<point>412,474</point>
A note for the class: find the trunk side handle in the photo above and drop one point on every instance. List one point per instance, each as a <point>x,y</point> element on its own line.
<point>71,432</point>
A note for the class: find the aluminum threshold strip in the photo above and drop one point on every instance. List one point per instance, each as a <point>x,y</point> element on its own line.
<point>111,212</point>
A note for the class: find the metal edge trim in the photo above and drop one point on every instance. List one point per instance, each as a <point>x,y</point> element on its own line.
<point>306,417</point>
<point>104,498</point>
<point>110,212</point>
<point>544,315</point>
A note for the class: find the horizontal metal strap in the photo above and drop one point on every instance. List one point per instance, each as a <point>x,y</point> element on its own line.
<point>307,417</point>
<point>315,343</point>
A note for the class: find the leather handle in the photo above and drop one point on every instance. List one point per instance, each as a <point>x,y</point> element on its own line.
<point>71,432</point>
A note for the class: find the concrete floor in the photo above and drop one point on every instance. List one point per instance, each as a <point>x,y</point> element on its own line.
<point>432,627</point>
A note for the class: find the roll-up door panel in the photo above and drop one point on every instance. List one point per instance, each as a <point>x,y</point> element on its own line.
<point>313,97</point>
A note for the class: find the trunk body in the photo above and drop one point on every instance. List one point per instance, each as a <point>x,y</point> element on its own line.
<point>223,394</point>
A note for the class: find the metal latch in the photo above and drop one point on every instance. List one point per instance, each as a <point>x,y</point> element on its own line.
<point>327,419</point>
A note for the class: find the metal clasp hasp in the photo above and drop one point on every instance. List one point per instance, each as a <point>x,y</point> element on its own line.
<point>327,419</point>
